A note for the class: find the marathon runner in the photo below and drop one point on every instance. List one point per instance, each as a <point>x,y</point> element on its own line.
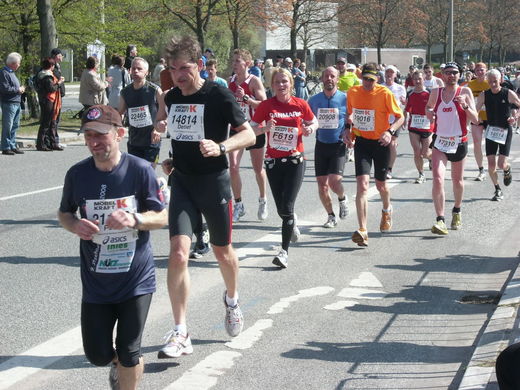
<point>197,113</point>
<point>140,101</point>
<point>111,201</point>
<point>249,92</point>
<point>431,81</point>
<point>329,107</point>
<point>477,86</point>
<point>369,107</point>
<point>420,128</point>
<point>499,132</point>
<point>399,92</point>
<point>452,108</point>
<point>287,119</point>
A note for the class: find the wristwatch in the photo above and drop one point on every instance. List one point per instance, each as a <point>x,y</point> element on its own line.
<point>222,148</point>
<point>245,98</point>
<point>138,219</point>
<point>392,132</point>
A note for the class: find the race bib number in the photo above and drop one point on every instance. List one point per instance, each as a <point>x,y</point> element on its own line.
<point>496,134</point>
<point>245,110</point>
<point>364,120</point>
<point>328,118</point>
<point>186,122</point>
<point>447,144</point>
<point>139,116</point>
<point>117,247</point>
<point>420,122</point>
<point>283,138</point>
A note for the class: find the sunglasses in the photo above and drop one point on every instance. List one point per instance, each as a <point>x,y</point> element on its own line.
<point>368,79</point>
<point>451,72</point>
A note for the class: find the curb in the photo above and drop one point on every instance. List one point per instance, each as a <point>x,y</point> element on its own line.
<point>501,330</point>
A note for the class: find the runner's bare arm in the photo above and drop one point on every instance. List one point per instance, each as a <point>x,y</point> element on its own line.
<point>160,119</point>
<point>244,137</point>
<point>151,220</point>
<point>83,228</point>
<point>431,104</point>
<point>467,100</point>
<point>480,101</point>
<point>310,127</point>
<point>258,90</point>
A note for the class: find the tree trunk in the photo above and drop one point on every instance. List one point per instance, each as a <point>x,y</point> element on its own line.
<point>293,42</point>
<point>49,37</point>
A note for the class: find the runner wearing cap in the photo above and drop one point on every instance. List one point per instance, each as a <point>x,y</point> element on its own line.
<point>452,108</point>
<point>499,132</point>
<point>329,107</point>
<point>399,92</point>
<point>369,107</point>
<point>419,126</point>
<point>477,86</point>
<point>111,200</point>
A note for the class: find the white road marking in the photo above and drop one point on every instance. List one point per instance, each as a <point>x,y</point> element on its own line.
<point>27,363</point>
<point>251,335</point>
<point>31,193</point>
<point>204,374</point>
<point>340,305</point>
<point>284,303</point>
<point>366,279</point>
<point>361,293</point>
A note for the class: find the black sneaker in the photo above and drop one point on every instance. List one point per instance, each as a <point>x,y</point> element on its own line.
<point>508,178</point>
<point>8,152</point>
<point>18,151</point>
<point>498,196</point>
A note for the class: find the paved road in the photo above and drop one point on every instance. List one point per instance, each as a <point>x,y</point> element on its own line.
<point>404,313</point>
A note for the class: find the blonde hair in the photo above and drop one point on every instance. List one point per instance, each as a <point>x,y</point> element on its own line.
<point>283,72</point>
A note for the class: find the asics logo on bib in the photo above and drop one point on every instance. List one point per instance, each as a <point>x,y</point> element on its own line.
<point>285,114</point>
<point>114,240</point>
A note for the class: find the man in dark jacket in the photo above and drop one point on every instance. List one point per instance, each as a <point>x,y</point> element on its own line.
<point>57,56</point>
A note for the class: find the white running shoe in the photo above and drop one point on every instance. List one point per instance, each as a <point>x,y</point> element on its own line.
<point>281,259</point>
<point>238,211</point>
<point>421,179</point>
<point>234,319</point>
<point>331,222</point>
<point>343,208</point>
<point>262,209</point>
<point>481,176</point>
<point>176,345</point>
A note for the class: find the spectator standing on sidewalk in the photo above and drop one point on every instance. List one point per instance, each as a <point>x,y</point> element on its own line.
<point>11,96</point>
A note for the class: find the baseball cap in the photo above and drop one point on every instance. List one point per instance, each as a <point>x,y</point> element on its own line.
<point>391,67</point>
<point>442,66</point>
<point>351,67</point>
<point>100,118</point>
<point>208,49</point>
<point>341,59</point>
<point>288,59</point>
<point>370,71</point>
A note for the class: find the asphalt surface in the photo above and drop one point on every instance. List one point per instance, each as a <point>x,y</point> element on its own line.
<point>411,311</point>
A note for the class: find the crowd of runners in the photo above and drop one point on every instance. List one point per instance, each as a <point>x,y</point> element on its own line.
<point>112,199</point>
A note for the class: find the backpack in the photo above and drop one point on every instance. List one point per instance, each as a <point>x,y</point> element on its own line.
<point>34,82</point>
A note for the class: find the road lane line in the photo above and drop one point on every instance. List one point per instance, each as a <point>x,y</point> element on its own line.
<point>251,335</point>
<point>31,193</point>
<point>29,362</point>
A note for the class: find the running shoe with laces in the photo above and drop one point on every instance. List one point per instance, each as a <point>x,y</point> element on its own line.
<point>386,221</point>
<point>360,237</point>
<point>262,209</point>
<point>343,208</point>
<point>508,177</point>
<point>176,345</point>
<point>281,259</point>
<point>350,154</point>
<point>440,228</point>
<point>296,232</point>
<point>331,222</point>
<point>421,179</point>
<point>498,196</point>
<point>456,221</point>
<point>481,176</point>
<point>234,319</point>
<point>238,211</point>
<point>113,377</point>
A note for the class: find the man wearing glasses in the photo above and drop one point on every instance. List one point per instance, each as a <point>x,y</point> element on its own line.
<point>369,107</point>
<point>452,108</point>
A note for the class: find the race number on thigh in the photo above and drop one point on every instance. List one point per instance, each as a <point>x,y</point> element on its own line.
<point>328,118</point>
<point>496,134</point>
<point>420,122</point>
<point>446,144</point>
<point>283,138</point>
<point>186,122</point>
<point>364,120</point>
